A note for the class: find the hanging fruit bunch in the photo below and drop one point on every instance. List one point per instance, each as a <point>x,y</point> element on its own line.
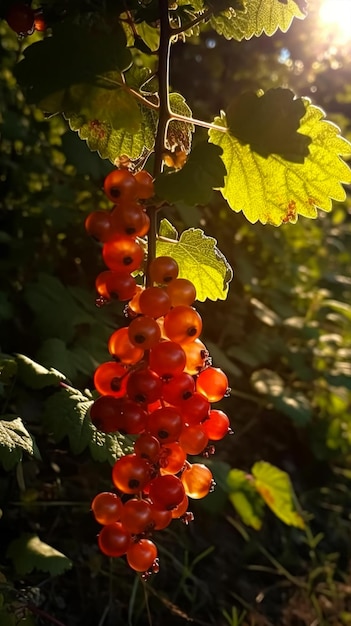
<point>158,386</point>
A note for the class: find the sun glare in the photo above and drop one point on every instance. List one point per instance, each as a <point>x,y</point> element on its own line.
<point>336,14</point>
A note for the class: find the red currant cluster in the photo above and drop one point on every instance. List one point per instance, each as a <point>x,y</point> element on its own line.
<point>24,20</point>
<point>159,386</point>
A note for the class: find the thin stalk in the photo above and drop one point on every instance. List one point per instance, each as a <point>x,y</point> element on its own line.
<point>163,120</point>
<point>182,29</point>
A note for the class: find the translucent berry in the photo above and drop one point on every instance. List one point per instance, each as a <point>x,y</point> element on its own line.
<point>120,184</point>
<point>107,508</point>
<point>131,473</point>
<point>122,349</point>
<point>123,254</point>
<point>141,555</point>
<point>110,378</point>
<point>183,324</point>
<point>197,480</point>
<point>181,292</point>
<point>212,383</point>
<point>114,540</point>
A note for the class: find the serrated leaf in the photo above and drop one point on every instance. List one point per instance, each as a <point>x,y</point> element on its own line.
<point>194,183</point>
<point>107,102</point>
<point>269,123</point>
<point>200,261</point>
<point>275,487</point>
<point>245,498</point>
<point>261,16</point>
<point>179,134</point>
<point>14,440</point>
<point>110,143</point>
<point>35,375</point>
<point>28,552</point>
<point>71,57</point>
<point>273,190</point>
<point>66,414</point>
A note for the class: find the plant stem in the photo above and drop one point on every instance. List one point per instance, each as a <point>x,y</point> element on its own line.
<point>163,120</point>
<point>182,29</point>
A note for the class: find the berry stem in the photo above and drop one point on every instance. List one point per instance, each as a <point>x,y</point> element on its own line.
<point>163,120</point>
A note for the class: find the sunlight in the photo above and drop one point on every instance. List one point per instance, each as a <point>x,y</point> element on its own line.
<point>336,14</point>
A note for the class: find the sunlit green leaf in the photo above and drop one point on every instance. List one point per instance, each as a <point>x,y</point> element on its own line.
<point>14,440</point>
<point>28,552</point>
<point>275,487</point>
<point>200,261</point>
<point>273,190</point>
<point>245,499</point>
<point>261,16</point>
<point>179,134</point>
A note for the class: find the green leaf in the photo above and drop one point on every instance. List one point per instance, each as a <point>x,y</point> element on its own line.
<point>14,440</point>
<point>269,123</point>
<point>194,183</point>
<point>107,102</point>
<point>275,487</point>
<point>261,16</point>
<point>112,144</point>
<point>245,498</point>
<point>200,261</point>
<point>28,552</point>
<point>274,190</point>
<point>71,58</point>
<point>35,375</point>
<point>66,414</point>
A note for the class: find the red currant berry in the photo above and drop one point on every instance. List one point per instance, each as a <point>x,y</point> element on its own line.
<point>114,539</point>
<point>167,358</point>
<point>120,184</point>
<point>122,349</point>
<point>193,439</point>
<point>165,424</point>
<point>154,302</point>
<point>144,332</point>
<point>148,447</point>
<point>131,473</point>
<point>217,425</point>
<point>98,225</point>
<point>163,269</point>
<point>181,292</point>
<point>20,17</point>
<point>144,386</point>
<point>110,378</point>
<point>141,555</point>
<point>107,508</point>
<point>166,492</point>
<point>104,414</point>
<point>182,324</point>
<point>122,254</point>
<point>197,480</point>
<point>212,383</point>
<point>136,515</point>
<point>145,185</point>
<point>113,285</point>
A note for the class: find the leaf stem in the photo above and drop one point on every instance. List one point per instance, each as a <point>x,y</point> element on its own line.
<point>201,18</point>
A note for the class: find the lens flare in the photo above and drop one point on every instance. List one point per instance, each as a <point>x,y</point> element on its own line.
<point>336,16</point>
